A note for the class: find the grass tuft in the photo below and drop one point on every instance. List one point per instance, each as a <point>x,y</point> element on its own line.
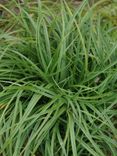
<point>58,80</point>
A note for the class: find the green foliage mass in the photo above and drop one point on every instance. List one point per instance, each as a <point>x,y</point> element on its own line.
<point>58,80</point>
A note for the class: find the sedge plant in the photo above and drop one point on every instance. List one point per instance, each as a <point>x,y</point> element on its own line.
<point>58,81</point>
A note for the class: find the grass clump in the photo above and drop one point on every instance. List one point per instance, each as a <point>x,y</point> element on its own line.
<point>58,82</point>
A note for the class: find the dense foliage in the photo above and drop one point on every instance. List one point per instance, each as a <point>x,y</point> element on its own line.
<point>58,80</point>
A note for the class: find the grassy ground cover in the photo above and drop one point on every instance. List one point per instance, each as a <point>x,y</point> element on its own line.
<point>58,79</point>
